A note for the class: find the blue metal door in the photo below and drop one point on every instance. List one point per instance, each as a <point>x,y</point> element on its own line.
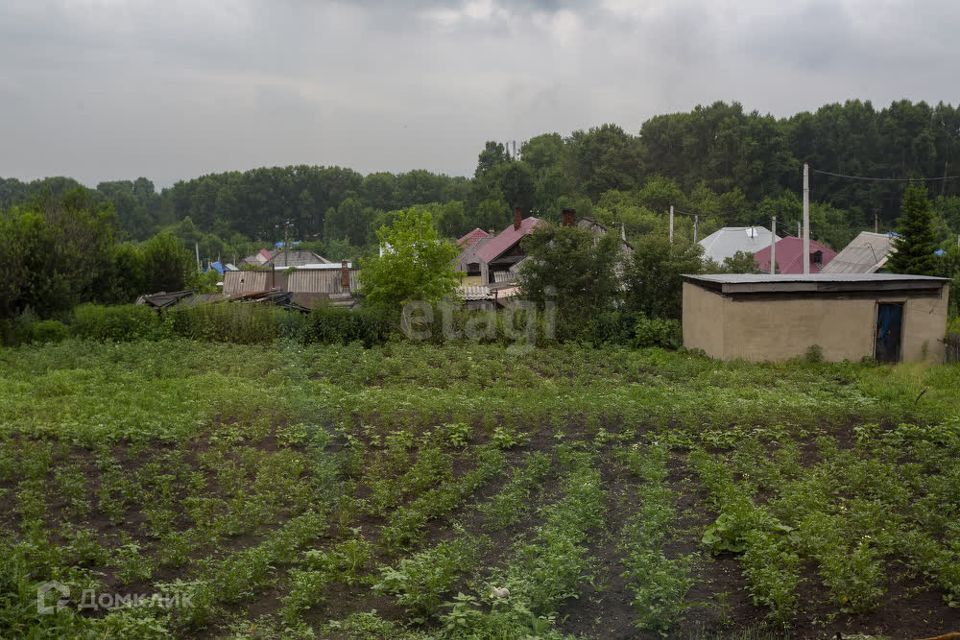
<point>889,328</point>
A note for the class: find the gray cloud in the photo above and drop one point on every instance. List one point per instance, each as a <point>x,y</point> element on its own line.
<point>103,89</point>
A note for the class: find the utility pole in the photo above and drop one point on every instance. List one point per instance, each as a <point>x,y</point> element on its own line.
<point>799,230</point>
<point>671,223</point>
<point>876,222</point>
<point>806,219</point>
<point>696,227</point>
<point>196,247</point>
<point>773,248</point>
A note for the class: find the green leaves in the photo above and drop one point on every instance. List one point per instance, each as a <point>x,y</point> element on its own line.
<point>415,263</point>
<point>659,583</point>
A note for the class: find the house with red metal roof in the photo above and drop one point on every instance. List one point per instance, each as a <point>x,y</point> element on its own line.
<point>503,251</point>
<point>468,264</point>
<point>471,237</point>
<point>790,256</point>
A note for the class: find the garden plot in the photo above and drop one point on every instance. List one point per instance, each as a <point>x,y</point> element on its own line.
<point>196,490</point>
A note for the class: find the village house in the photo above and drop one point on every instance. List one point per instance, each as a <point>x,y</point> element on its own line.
<point>468,264</point>
<point>789,256</point>
<point>311,285</point>
<point>759,317</point>
<point>499,254</point>
<point>491,264</point>
<point>281,258</point>
<point>867,253</point>
<point>726,242</point>
<point>261,257</point>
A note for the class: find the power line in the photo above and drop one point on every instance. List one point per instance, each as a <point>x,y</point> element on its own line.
<point>870,179</point>
<point>707,215</point>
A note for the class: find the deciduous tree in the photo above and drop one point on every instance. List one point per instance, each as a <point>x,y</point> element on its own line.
<point>416,264</point>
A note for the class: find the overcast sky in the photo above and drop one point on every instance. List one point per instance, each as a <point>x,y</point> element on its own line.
<point>115,89</point>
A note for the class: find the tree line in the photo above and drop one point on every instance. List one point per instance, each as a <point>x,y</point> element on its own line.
<point>718,161</point>
<point>59,252</point>
<point>717,165</point>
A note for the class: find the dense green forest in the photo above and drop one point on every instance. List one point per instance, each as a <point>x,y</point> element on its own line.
<point>720,162</point>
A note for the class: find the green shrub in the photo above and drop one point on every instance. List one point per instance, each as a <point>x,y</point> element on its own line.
<point>813,354</point>
<point>48,331</point>
<point>334,325</point>
<point>28,327</point>
<point>235,322</point>
<point>116,323</point>
<point>657,332</point>
<point>612,328</point>
<point>8,333</point>
<point>954,327</point>
<point>329,325</point>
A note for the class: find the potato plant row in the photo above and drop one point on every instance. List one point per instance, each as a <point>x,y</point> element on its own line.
<point>412,492</point>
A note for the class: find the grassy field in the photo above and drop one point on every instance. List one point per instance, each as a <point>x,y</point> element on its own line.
<point>223,491</point>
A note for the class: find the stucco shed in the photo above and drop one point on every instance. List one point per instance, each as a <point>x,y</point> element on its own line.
<point>756,317</point>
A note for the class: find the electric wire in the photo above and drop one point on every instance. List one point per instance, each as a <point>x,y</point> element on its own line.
<point>873,179</point>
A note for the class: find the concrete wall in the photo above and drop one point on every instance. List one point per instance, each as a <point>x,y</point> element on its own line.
<point>924,327</point>
<point>702,320</point>
<point>780,327</point>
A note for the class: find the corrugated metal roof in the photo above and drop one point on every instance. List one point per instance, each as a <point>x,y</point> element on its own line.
<point>314,300</point>
<point>475,292</point>
<point>325,281</point>
<point>790,256</point>
<point>515,268</point>
<point>867,253</point>
<point>163,299</point>
<point>507,238</point>
<point>297,258</point>
<point>325,265</point>
<point>506,294</point>
<point>244,282</point>
<point>725,242</point>
<point>319,281</point>
<point>471,237</point>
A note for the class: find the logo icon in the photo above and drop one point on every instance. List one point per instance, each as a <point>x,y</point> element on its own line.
<point>43,605</point>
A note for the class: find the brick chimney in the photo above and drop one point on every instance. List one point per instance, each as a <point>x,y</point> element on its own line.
<point>569,217</point>
<point>517,218</point>
<point>345,275</point>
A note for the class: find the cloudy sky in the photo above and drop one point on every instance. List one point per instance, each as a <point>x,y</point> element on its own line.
<point>109,89</point>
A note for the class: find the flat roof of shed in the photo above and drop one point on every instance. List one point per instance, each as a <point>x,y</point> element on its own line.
<point>814,283</point>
